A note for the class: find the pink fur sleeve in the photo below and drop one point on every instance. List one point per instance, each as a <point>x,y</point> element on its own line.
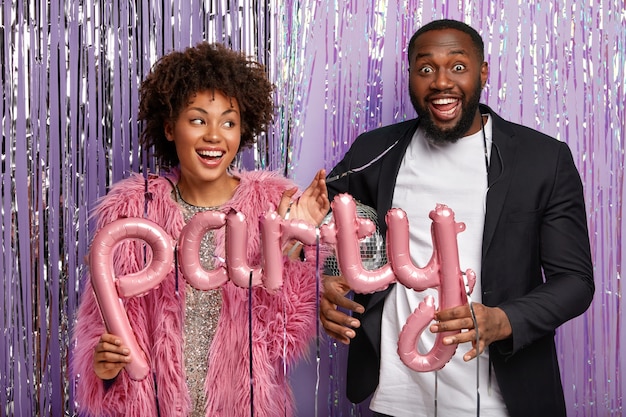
<point>123,397</point>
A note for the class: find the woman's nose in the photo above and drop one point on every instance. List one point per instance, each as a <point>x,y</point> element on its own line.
<point>211,134</point>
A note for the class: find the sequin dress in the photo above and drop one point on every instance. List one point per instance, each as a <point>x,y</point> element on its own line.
<point>202,310</point>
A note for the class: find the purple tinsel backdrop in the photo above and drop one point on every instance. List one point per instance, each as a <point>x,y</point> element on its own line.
<point>70,75</point>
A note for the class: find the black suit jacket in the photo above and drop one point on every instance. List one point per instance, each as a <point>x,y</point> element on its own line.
<point>536,261</point>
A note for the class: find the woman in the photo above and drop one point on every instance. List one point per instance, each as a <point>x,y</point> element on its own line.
<point>200,108</point>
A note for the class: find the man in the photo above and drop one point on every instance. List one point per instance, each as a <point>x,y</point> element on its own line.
<point>520,196</point>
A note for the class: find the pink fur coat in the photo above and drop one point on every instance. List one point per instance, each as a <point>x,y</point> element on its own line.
<point>286,318</point>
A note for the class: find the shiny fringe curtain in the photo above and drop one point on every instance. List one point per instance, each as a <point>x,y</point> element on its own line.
<point>70,76</point>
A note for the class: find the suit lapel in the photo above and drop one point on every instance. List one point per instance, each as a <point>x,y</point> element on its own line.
<point>500,169</point>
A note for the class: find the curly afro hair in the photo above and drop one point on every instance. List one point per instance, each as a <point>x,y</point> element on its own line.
<point>178,76</point>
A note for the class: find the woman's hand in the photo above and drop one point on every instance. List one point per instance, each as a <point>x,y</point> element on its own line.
<point>312,206</point>
<point>110,356</point>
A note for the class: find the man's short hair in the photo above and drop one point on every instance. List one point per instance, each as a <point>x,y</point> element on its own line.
<point>477,40</point>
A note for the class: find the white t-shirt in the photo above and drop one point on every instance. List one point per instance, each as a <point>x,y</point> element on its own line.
<point>454,174</point>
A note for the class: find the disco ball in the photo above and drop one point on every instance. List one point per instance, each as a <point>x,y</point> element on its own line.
<point>373,250</point>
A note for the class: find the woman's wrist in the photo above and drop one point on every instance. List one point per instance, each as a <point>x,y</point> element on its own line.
<point>293,249</point>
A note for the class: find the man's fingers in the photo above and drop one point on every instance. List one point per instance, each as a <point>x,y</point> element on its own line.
<point>330,314</point>
<point>342,301</point>
<point>341,334</point>
<point>452,325</point>
<point>453,313</point>
<point>337,324</point>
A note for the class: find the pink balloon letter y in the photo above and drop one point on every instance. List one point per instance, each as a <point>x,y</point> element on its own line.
<point>442,272</point>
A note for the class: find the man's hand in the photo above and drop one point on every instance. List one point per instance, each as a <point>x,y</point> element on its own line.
<point>110,356</point>
<point>493,325</point>
<point>336,323</point>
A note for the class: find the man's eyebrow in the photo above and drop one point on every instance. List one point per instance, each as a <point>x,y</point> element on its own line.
<point>429,54</point>
<point>458,52</point>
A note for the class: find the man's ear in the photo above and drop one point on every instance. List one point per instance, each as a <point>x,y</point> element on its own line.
<point>484,74</point>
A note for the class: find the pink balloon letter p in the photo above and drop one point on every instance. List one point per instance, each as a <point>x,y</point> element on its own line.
<point>108,291</point>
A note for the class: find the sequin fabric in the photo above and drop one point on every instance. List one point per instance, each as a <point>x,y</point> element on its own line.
<point>202,310</point>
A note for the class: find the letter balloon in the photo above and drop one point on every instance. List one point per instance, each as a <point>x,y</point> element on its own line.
<point>109,289</point>
<point>442,272</point>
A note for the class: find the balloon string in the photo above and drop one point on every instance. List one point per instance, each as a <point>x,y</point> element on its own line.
<point>436,390</point>
<point>317,314</point>
<point>250,344</point>
<point>477,340</point>
<point>147,197</point>
<point>489,377</point>
<point>332,383</point>
<point>285,354</point>
<point>477,358</point>
<point>176,271</point>
<point>156,394</point>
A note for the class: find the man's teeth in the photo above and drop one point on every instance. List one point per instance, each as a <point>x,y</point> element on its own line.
<point>444,101</point>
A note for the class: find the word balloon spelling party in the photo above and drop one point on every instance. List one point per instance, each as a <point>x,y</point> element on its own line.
<point>344,232</point>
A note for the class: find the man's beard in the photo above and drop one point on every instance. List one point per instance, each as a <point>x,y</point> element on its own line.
<point>451,135</point>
